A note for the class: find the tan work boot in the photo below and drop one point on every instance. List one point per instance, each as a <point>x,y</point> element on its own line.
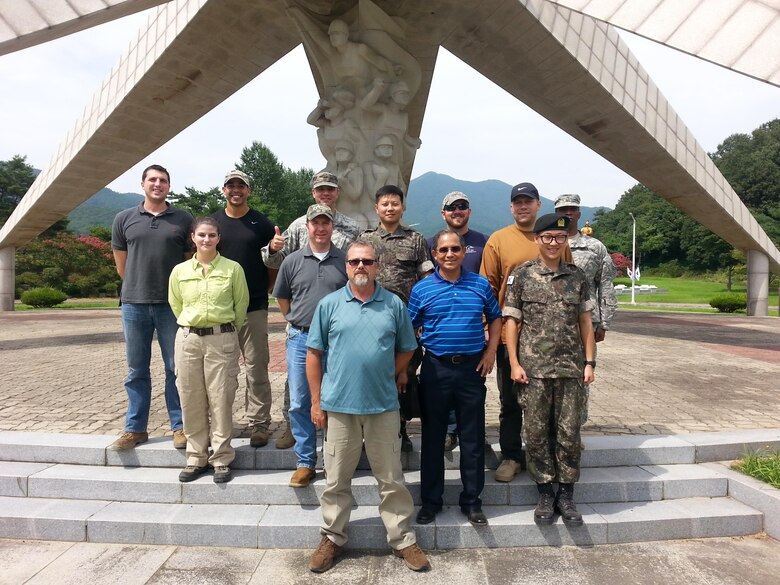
<point>324,555</point>
<point>413,557</point>
<point>128,440</point>
<point>302,477</point>
<point>507,470</point>
<point>259,438</point>
<point>286,440</point>
<point>179,439</point>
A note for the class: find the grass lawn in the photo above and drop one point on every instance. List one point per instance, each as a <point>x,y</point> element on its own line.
<point>76,304</point>
<point>683,290</point>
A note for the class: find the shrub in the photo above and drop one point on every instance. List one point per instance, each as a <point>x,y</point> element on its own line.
<point>729,302</point>
<point>43,297</point>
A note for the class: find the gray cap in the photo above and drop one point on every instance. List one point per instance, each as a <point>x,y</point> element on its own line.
<point>451,198</point>
<point>317,210</point>
<point>236,174</point>
<point>570,200</point>
<point>324,178</point>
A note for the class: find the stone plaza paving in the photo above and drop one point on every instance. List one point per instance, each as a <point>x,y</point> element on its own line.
<point>658,373</point>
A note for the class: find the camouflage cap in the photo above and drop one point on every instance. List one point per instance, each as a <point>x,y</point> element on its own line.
<point>451,198</point>
<point>569,200</point>
<point>317,210</point>
<point>524,190</point>
<point>236,174</point>
<point>552,222</point>
<point>324,179</point>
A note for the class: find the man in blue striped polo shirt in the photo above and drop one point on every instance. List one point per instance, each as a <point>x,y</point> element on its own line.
<point>449,306</point>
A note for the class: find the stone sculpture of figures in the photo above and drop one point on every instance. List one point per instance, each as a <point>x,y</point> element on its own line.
<point>367,80</point>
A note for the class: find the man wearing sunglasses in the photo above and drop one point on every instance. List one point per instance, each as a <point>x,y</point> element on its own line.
<point>449,307</point>
<point>368,335</point>
<point>549,337</point>
<point>456,211</point>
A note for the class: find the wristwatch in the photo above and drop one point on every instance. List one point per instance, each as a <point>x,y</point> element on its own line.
<point>591,363</point>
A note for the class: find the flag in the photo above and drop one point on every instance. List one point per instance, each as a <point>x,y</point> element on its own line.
<point>630,273</point>
<point>637,273</point>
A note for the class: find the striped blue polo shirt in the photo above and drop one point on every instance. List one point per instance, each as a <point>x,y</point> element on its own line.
<point>450,313</point>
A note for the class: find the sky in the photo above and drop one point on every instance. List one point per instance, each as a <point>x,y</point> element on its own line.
<point>44,90</point>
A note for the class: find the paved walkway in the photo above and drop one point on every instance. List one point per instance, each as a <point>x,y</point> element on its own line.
<point>720,561</point>
<point>658,373</point>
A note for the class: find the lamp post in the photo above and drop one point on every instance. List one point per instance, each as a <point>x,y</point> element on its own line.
<point>633,257</point>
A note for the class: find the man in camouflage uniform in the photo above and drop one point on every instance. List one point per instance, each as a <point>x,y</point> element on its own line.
<point>403,260</point>
<point>591,256</point>
<point>325,190</point>
<point>549,337</point>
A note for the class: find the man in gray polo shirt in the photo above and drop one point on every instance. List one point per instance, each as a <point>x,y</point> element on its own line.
<point>148,241</point>
<point>306,276</point>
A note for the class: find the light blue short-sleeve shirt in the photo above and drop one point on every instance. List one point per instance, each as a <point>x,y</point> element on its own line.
<point>361,339</point>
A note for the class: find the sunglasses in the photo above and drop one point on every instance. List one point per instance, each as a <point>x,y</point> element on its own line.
<point>447,249</point>
<point>364,261</point>
<point>458,206</point>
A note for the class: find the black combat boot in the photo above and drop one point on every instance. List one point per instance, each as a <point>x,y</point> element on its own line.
<point>545,513</point>
<point>564,504</point>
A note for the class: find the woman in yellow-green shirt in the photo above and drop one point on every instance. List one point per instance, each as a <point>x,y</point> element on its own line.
<point>209,296</point>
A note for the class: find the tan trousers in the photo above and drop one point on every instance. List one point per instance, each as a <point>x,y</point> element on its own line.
<point>343,444</point>
<point>207,379</point>
<point>253,338</point>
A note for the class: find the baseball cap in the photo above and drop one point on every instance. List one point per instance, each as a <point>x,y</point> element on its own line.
<point>236,174</point>
<point>524,190</point>
<point>451,198</point>
<point>317,210</point>
<point>324,179</point>
<point>569,200</point>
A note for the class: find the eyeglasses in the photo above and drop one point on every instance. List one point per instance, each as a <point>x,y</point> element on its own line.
<point>559,239</point>
<point>458,206</point>
<point>447,249</point>
<point>364,261</point>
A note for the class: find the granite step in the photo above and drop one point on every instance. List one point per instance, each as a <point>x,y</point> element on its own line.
<point>270,487</point>
<point>285,526</point>
<point>600,451</point>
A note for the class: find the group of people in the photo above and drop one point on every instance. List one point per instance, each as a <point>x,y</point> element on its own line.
<point>364,311</point>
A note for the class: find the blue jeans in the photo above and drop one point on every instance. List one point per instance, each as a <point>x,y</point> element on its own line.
<point>139,322</point>
<point>303,430</point>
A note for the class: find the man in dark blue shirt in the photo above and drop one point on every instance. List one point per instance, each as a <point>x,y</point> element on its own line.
<point>449,306</point>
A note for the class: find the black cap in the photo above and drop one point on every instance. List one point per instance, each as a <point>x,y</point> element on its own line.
<point>550,222</point>
<point>524,190</point>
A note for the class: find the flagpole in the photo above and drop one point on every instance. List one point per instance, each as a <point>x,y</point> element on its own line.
<point>633,258</point>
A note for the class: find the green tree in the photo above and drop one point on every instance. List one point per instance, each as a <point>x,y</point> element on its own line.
<point>16,176</point>
<point>279,192</point>
<point>198,203</point>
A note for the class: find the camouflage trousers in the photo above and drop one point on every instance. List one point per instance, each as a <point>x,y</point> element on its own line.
<point>552,411</point>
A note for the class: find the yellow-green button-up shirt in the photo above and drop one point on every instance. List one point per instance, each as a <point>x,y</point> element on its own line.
<point>221,296</point>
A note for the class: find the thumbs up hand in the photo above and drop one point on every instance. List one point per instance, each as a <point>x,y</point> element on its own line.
<point>277,243</point>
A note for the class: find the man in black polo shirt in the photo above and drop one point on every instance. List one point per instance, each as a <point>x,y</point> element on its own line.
<point>148,241</point>
<point>243,233</point>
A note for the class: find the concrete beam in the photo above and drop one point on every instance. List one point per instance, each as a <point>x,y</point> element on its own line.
<point>26,23</point>
<point>740,35</point>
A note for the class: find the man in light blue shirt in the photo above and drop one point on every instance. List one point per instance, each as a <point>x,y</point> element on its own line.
<point>369,340</point>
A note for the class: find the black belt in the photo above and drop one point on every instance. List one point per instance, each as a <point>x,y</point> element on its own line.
<point>201,331</point>
<point>456,359</point>
<point>303,329</point>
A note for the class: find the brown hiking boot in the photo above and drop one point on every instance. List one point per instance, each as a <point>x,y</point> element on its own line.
<point>286,440</point>
<point>128,440</point>
<point>324,555</point>
<point>413,557</point>
<point>179,439</point>
<point>259,438</point>
<point>507,470</point>
<point>302,477</point>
